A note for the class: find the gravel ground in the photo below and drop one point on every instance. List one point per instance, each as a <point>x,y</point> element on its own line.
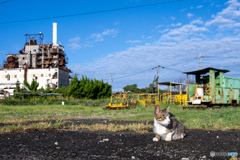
<point>85,144</point>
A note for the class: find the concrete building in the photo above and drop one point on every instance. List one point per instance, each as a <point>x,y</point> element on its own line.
<point>45,63</point>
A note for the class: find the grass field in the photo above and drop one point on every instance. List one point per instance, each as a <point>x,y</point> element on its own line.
<point>216,119</point>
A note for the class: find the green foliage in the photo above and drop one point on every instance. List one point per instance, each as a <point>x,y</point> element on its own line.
<point>62,90</point>
<point>26,84</point>
<point>133,88</point>
<point>82,89</point>
<point>34,85</point>
<point>88,88</point>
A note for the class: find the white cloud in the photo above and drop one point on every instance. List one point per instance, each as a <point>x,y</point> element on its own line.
<point>159,26</point>
<point>172,18</point>
<point>182,10</point>
<point>176,25</point>
<point>178,56</point>
<point>74,43</point>
<point>132,41</point>
<point>183,32</point>
<point>228,17</point>
<point>199,6</point>
<point>189,15</point>
<point>175,49</point>
<point>164,30</point>
<point>197,21</point>
<point>116,23</point>
<point>219,20</point>
<point>108,32</point>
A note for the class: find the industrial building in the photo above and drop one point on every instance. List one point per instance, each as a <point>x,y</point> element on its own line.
<point>45,63</point>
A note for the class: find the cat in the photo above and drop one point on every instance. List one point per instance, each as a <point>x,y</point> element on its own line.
<point>166,126</point>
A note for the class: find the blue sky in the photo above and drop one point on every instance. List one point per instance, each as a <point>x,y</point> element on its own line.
<point>130,41</point>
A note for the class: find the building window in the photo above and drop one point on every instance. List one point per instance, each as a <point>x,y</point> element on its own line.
<point>13,76</point>
<point>34,50</point>
<point>8,77</point>
<point>32,75</point>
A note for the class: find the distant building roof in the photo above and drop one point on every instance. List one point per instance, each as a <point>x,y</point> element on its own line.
<point>206,70</point>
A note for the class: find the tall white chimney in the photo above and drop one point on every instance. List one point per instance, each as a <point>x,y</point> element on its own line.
<point>54,34</point>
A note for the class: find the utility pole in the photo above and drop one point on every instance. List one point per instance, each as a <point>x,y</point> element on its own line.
<point>110,82</point>
<point>157,80</point>
<point>200,57</point>
<point>110,78</point>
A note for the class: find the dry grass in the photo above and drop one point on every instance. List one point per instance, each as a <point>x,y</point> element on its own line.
<point>32,127</point>
<point>138,128</point>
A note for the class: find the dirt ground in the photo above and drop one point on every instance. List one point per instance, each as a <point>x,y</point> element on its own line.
<point>83,144</point>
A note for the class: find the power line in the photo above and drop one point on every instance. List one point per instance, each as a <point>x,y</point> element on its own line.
<point>145,71</point>
<point>94,12</point>
<point>135,73</point>
<point>5,1</point>
<point>217,57</point>
<point>169,68</point>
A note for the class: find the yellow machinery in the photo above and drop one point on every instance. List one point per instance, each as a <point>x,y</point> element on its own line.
<point>169,97</point>
<point>148,100</point>
<point>121,101</point>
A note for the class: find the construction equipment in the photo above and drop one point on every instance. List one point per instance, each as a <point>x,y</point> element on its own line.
<point>148,100</point>
<point>122,101</point>
<point>212,88</point>
<point>170,96</point>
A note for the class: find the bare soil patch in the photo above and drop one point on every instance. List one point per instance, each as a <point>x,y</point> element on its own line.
<point>83,144</point>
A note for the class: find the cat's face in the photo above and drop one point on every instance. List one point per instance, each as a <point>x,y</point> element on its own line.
<point>162,117</point>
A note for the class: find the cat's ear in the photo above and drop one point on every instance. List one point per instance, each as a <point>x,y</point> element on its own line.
<point>157,109</point>
<point>167,109</point>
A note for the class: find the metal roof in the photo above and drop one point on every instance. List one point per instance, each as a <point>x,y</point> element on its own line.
<point>206,70</point>
<point>172,83</point>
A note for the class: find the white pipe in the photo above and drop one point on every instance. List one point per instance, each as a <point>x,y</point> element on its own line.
<point>54,33</point>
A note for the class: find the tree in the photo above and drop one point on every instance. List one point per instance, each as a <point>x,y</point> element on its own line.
<point>88,88</point>
<point>131,88</point>
<point>34,85</point>
<point>73,87</point>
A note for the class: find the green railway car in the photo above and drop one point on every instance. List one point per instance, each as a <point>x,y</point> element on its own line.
<point>212,88</point>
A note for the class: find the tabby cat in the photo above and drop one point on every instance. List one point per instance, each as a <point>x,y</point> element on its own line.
<point>166,126</point>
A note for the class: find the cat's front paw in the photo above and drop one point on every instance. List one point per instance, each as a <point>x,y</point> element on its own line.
<point>155,139</point>
<point>168,139</point>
